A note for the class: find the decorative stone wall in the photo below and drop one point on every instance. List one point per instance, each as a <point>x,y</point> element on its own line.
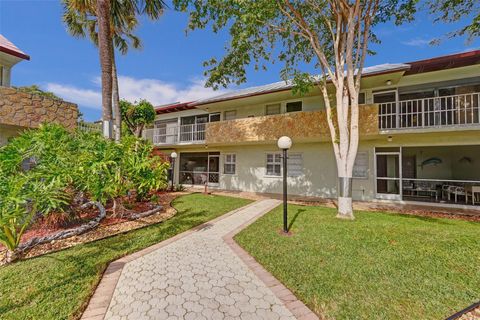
<point>300,126</point>
<point>30,110</point>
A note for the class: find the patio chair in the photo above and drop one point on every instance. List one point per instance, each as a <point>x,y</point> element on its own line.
<point>456,191</point>
<point>472,192</point>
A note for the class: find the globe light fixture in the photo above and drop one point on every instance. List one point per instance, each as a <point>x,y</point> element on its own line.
<point>284,143</point>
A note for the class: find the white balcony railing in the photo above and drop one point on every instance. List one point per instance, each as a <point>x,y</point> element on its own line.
<point>171,135</point>
<point>447,111</point>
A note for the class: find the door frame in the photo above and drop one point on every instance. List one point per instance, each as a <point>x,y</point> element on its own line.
<point>208,169</point>
<point>388,196</point>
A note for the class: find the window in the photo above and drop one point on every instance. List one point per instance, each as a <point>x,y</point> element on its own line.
<point>416,95</point>
<point>230,115</point>
<point>382,97</point>
<point>230,163</point>
<point>360,167</point>
<point>294,106</point>
<point>295,165</point>
<point>1,75</point>
<point>361,98</point>
<point>274,161</point>
<point>271,109</point>
<point>214,117</point>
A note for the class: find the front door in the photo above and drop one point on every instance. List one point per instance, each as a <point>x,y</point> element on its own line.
<point>388,180</point>
<point>213,169</point>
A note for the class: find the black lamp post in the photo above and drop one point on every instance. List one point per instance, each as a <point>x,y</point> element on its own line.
<point>285,143</point>
<point>173,156</point>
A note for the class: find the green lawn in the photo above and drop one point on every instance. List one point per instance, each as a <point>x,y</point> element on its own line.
<point>380,266</point>
<point>58,285</point>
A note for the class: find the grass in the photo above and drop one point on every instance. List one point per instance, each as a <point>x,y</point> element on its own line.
<point>58,285</point>
<point>379,266</point>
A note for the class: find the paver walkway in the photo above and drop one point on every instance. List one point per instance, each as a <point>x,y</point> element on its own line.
<point>199,277</point>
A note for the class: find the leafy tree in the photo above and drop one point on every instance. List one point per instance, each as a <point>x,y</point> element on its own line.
<point>42,171</point>
<point>137,116</point>
<point>333,36</point>
<point>455,10</point>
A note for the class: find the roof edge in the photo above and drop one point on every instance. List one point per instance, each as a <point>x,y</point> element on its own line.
<point>289,87</point>
<point>15,53</point>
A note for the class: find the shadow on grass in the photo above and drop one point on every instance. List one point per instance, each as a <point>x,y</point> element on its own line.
<point>295,216</point>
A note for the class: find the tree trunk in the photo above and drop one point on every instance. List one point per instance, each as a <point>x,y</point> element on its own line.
<point>105,52</point>
<point>11,256</point>
<point>116,100</point>
<point>138,131</point>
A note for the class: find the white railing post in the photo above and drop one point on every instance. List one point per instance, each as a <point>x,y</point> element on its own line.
<point>423,113</point>
<point>397,107</point>
<point>478,106</point>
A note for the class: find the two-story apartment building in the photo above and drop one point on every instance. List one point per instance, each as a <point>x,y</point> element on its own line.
<point>419,136</point>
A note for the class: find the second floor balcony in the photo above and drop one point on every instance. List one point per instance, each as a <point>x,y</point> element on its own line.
<point>174,134</point>
<point>461,110</point>
<point>453,112</point>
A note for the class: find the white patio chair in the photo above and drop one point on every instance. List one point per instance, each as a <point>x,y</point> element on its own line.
<point>472,192</point>
<point>456,191</point>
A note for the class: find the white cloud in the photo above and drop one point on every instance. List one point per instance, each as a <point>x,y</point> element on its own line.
<point>85,97</point>
<point>417,42</point>
<point>156,91</point>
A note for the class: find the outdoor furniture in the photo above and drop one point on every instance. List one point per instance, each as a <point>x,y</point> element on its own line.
<point>471,191</point>
<point>455,191</point>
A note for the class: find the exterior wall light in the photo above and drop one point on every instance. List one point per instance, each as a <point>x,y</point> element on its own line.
<point>389,82</point>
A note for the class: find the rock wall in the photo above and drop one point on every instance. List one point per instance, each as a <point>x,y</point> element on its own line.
<point>30,110</point>
<point>300,126</point>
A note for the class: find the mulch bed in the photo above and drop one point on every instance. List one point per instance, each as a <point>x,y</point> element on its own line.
<point>109,226</point>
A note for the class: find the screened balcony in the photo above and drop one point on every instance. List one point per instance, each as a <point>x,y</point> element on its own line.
<point>430,112</point>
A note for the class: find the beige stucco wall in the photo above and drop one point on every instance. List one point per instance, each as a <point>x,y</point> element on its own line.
<point>319,178</point>
<point>30,110</point>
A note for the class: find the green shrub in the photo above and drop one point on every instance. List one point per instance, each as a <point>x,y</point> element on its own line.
<point>43,170</point>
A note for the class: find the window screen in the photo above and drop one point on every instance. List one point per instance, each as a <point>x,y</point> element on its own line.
<point>361,98</point>
<point>230,163</point>
<point>294,106</point>
<point>382,97</point>
<point>295,164</point>
<point>271,109</point>
<point>230,115</point>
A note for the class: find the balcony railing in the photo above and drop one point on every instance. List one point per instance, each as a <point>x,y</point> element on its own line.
<point>446,111</point>
<point>171,135</point>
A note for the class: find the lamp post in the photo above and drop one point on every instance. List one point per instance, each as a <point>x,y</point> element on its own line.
<point>173,156</point>
<point>284,143</point>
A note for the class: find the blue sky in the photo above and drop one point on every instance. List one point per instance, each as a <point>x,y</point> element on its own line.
<point>169,67</point>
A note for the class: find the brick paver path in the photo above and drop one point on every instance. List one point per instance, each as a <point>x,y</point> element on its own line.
<point>197,277</point>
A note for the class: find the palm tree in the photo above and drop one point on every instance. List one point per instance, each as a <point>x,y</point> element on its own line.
<point>81,18</point>
<point>105,51</point>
